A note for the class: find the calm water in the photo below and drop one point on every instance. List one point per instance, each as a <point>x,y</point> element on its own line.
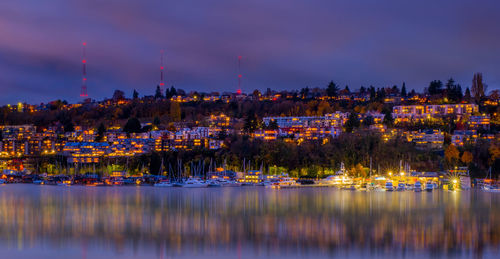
<point>249,222</point>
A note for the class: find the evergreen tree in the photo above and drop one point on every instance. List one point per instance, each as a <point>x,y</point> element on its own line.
<point>435,87</point>
<point>135,95</point>
<point>100,132</point>
<point>352,122</point>
<point>403,90</point>
<point>467,96</point>
<point>373,93</point>
<point>332,89</point>
<point>158,93</point>
<point>388,120</point>
<point>133,125</point>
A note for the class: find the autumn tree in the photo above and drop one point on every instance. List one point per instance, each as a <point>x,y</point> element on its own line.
<point>451,154</point>
<point>175,111</point>
<point>466,157</point>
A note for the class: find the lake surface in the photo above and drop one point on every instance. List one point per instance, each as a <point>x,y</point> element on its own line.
<point>247,222</point>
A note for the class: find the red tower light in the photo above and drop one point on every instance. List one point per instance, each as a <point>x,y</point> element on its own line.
<point>239,76</point>
<point>83,90</point>
<point>162,68</point>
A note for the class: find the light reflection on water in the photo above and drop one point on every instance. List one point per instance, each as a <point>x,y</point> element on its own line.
<point>134,222</point>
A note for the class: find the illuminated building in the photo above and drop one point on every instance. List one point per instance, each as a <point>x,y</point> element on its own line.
<point>481,121</point>
<point>85,152</point>
<point>460,137</point>
<point>406,112</point>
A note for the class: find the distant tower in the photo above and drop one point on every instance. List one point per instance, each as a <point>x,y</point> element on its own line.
<point>83,92</point>
<point>162,68</point>
<point>239,75</point>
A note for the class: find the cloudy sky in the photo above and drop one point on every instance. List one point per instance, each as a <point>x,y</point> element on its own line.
<point>286,44</point>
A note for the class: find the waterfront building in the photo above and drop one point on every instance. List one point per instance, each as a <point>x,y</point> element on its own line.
<point>85,152</point>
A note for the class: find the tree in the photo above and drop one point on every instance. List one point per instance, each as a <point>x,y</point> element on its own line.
<point>368,121</point>
<point>332,89</point>
<point>478,87</point>
<point>495,95</point>
<point>156,121</point>
<point>467,95</point>
<point>388,120</point>
<point>118,95</point>
<point>158,93</point>
<point>133,125</point>
<point>352,122</point>
<point>403,90</point>
<point>251,122</point>
<point>135,95</point>
<point>68,126</point>
<point>466,157</point>
<point>451,154</point>
<point>170,92</point>
<point>435,87</point>
<point>373,93</point>
<point>453,91</point>
<point>100,132</point>
<point>175,111</point>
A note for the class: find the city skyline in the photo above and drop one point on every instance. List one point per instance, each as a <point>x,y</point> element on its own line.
<point>283,47</point>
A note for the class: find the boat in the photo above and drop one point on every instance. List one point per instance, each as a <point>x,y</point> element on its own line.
<point>65,183</point>
<point>401,187</point>
<point>229,183</point>
<point>491,188</point>
<point>2,181</point>
<point>38,182</point>
<point>214,183</point>
<point>417,187</point>
<point>389,187</point>
<point>429,186</point>
<point>163,184</point>
<point>193,183</point>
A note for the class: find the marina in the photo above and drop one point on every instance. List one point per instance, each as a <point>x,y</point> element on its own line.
<point>246,222</point>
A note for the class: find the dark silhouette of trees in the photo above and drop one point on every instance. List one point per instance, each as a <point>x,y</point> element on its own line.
<point>352,122</point>
<point>332,89</point>
<point>158,93</point>
<point>435,87</point>
<point>478,88</point>
<point>100,132</point>
<point>133,125</point>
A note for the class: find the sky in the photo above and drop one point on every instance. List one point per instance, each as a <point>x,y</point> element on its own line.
<point>285,45</point>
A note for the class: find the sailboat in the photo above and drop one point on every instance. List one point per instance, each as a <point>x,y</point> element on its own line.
<point>489,187</point>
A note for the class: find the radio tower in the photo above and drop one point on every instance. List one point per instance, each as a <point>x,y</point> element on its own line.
<point>83,92</point>
<point>162,68</point>
<point>239,75</point>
